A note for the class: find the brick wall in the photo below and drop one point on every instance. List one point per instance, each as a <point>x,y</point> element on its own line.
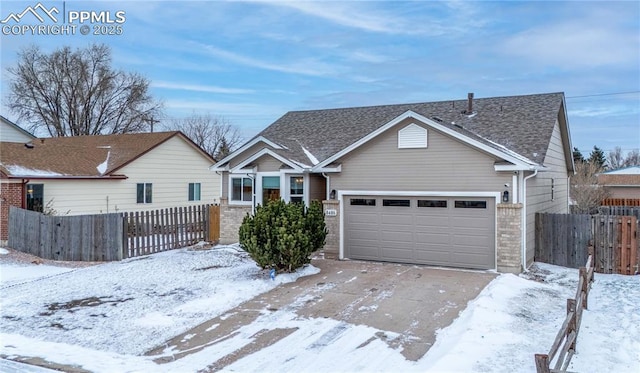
<point>509,237</point>
<point>10,195</point>
<point>332,242</point>
<point>230,220</point>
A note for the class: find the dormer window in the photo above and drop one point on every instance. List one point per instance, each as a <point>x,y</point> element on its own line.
<point>412,137</point>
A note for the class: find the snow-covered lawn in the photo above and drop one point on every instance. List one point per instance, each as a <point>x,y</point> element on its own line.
<point>104,317</point>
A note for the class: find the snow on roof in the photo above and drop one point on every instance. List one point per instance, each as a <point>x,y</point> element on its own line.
<point>16,170</point>
<point>631,170</point>
<point>102,167</point>
<point>311,157</point>
<point>509,151</point>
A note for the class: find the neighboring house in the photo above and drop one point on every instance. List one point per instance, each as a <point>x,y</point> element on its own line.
<point>11,132</point>
<point>451,183</point>
<point>622,183</point>
<point>102,174</point>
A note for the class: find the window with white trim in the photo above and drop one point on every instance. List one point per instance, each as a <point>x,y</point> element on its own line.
<point>296,188</point>
<point>241,189</point>
<point>144,192</point>
<point>194,191</point>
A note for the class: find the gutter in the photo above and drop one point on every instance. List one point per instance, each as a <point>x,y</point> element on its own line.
<point>524,218</point>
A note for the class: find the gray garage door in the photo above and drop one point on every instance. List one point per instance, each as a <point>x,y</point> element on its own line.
<point>444,231</point>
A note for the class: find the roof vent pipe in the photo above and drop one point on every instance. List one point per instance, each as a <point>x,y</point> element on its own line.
<point>470,99</point>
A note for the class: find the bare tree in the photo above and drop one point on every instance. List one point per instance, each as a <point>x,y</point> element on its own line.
<point>77,92</point>
<point>586,193</point>
<point>615,159</point>
<point>633,158</point>
<point>215,135</point>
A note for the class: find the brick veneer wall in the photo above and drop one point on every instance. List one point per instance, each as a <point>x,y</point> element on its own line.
<point>10,195</point>
<point>509,237</point>
<point>332,242</point>
<point>230,220</point>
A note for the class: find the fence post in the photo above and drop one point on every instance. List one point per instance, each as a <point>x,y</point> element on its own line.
<point>584,292</point>
<point>542,363</point>
<point>571,307</point>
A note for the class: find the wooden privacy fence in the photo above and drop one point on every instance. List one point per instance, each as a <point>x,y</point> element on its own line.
<point>72,238</point>
<point>630,202</point>
<point>561,239</point>
<point>564,346</point>
<point>110,237</point>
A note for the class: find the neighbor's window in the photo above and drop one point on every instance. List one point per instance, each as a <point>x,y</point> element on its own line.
<point>35,197</point>
<point>143,192</point>
<point>552,189</point>
<point>270,188</point>
<point>241,189</point>
<point>194,191</point>
<point>296,189</point>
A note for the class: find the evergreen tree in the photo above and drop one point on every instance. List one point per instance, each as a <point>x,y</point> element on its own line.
<point>597,158</point>
<point>577,156</point>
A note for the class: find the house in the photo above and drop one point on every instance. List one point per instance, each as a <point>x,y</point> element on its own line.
<point>451,183</point>
<point>102,174</point>
<point>623,183</point>
<point>11,132</point>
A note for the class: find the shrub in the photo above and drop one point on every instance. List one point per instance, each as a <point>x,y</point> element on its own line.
<point>283,236</point>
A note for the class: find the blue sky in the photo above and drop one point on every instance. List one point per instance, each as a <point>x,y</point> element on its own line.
<point>252,61</point>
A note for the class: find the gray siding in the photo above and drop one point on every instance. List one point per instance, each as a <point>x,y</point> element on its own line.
<point>539,189</point>
<point>445,165</point>
<point>248,153</point>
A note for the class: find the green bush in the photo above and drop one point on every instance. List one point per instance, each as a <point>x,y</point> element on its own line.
<point>283,236</point>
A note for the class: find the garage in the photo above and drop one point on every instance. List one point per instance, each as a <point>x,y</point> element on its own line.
<point>443,231</point>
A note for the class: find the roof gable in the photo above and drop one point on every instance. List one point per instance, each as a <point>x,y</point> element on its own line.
<point>10,132</point>
<point>520,126</point>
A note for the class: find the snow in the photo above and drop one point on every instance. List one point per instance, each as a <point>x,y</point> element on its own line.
<point>631,170</point>
<point>17,170</point>
<point>148,300</point>
<point>102,167</point>
<point>311,157</point>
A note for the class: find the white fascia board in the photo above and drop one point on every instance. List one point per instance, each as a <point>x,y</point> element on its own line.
<point>496,195</point>
<point>511,167</point>
<point>338,168</point>
<point>433,124</point>
<point>266,151</point>
<point>244,147</point>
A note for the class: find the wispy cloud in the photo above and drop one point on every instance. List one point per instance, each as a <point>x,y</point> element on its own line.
<point>306,66</point>
<point>200,88</point>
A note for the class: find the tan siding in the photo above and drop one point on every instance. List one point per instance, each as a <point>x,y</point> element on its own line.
<point>445,165</point>
<point>317,187</point>
<point>248,153</point>
<point>539,189</point>
<point>170,168</point>
<point>267,163</point>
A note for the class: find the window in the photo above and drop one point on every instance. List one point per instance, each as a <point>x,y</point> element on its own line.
<point>432,203</point>
<point>296,189</point>
<point>241,189</point>
<point>552,189</point>
<point>270,188</point>
<point>35,197</point>
<point>143,193</point>
<point>194,191</point>
<point>396,203</point>
<point>363,201</point>
<point>471,204</point>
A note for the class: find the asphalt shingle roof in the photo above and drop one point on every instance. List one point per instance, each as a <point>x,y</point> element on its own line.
<point>523,124</point>
<point>77,156</point>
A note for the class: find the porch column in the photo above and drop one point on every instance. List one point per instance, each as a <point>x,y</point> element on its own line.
<point>331,210</point>
<point>509,237</point>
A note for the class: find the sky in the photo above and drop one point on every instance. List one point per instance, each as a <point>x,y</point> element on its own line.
<point>109,314</point>
<point>250,62</point>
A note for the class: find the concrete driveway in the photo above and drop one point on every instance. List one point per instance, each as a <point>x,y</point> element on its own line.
<point>410,301</point>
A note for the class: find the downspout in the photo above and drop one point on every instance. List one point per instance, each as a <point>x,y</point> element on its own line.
<point>327,186</point>
<point>524,218</point>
